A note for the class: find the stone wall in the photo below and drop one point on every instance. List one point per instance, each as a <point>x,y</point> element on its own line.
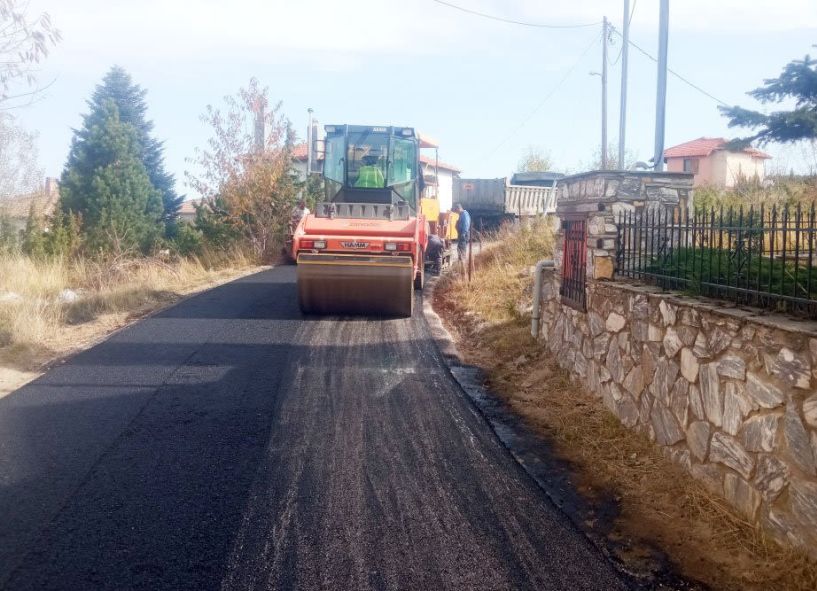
<point>602,197</point>
<point>729,394</point>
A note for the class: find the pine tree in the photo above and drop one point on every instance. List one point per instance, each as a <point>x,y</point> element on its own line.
<point>118,86</point>
<point>106,183</point>
<point>798,81</point>
<point>33,239</point>
<point>63,238</point>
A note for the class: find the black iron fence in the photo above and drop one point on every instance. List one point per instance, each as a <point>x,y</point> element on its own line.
<point>761,257</point>
<point>574,264</point>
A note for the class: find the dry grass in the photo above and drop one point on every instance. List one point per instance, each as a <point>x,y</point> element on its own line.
<point>35,322</point>
<point>781,191</point>
<point>660,504</point>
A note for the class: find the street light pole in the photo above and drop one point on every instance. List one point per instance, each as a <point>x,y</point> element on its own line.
<point>661,93</point>
<point>604,94</point>
<point>622,120</point>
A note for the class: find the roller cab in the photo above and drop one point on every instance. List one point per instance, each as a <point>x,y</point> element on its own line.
<point>361,252</point>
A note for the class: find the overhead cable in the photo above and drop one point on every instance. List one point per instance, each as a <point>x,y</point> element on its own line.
<point>515,22</point>
<point>547,97</point>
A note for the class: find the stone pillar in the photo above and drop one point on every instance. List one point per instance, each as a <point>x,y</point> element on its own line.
<point>602,197</point>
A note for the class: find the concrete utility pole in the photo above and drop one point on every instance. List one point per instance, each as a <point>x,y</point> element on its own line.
<point>309,142</point>
<point>661,94</point>
<point>604,94</point>
<point>622,119</point>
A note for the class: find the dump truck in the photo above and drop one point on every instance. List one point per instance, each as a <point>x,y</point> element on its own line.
<point>362,250</point>
<point>491,201</point>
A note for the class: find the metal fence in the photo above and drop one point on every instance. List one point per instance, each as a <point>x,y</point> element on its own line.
<point>761,257</point>
<point>574,264</point>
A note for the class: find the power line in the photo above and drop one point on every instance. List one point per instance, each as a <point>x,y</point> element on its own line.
<point>629,22</point>
<point>546,98</point>
<point>515,22</point>
<point>674,73</point>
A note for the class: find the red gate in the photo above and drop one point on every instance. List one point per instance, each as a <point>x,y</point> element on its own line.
<point>574,264</point>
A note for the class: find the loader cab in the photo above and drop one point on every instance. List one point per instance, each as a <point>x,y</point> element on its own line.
<point>372,165</point>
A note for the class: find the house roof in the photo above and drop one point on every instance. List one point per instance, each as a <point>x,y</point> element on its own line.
<point>299,153</point>
<point>704,146</point>
<point>19,206</point>
<point>189,207</point>
<point>443,165</point>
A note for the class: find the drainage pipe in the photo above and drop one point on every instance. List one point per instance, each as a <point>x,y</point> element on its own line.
<point>537,294</point>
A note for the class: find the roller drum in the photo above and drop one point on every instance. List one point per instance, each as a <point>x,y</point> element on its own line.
<point>356,284</point>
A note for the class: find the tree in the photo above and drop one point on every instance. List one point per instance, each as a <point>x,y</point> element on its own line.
<point>107,184</point>
<point>8,234</point>
<point>535,160</point>
<point>612,159</point>
<point>19,170</point>
<point>63,238</point>
<point>118,86</point>
<point>24,42</point>
<point>246,173</point>
<point>798,82</point>
<point>33,239</point>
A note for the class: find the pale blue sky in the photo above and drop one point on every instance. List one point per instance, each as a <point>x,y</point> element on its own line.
<point>472,83</point>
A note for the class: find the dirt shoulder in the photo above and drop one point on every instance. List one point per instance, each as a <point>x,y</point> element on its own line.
<point>20,364</point>
<point>649,513</point>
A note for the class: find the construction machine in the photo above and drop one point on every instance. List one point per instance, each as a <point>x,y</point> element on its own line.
<point>362,250</point>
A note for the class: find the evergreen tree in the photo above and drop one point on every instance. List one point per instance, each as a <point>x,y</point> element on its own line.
<point>118,86</point>
<point>8,234</point>
<point>63,238</point>
<point>798,82</point>
<point>106,183</point>
<point>33,239</point>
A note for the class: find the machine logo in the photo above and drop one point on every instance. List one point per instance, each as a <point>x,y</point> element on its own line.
<point>354,244</point>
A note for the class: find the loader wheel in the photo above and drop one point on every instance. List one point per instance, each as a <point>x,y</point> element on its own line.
<point>420,277</point>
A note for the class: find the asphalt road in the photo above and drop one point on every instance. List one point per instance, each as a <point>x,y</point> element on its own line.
<point>229,443</point>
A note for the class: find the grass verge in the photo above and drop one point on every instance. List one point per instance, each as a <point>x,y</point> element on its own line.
<point>660,505</point>
<point>51,308</point>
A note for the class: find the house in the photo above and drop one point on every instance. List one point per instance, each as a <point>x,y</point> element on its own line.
<point>713,164</point>
<point>18,207</point>
<point>187,210</point>
<point>441,184</point>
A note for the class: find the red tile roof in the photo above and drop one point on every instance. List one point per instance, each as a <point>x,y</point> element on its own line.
<point>189,207</point>
<point>703,147</point>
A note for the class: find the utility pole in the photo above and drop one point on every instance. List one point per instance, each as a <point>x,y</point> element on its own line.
<point>604,94</point>
<point>661,94</point>
<point>309,142</point>
<point>622,119</point>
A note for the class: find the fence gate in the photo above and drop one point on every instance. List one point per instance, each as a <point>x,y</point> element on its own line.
<point>574,264</point>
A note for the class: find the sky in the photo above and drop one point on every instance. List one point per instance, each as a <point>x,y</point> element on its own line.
<point>486,90</point>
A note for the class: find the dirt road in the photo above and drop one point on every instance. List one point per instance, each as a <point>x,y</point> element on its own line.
<point>230,443</point>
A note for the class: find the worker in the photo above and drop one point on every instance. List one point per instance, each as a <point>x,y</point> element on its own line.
<point>434,253</point>
<point>369,176</point>
<point>298,213</point>
<point>463,228</point>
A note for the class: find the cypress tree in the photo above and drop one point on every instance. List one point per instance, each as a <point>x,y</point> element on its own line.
<point>118,86</point>
<point>108,186</point>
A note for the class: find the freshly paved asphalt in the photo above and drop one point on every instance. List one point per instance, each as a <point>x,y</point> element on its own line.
<point>230,443</point>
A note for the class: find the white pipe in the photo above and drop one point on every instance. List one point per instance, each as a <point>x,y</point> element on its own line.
<point>537,294</point>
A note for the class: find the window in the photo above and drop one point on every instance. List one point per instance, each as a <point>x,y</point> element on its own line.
<point>366,159</point>
<point>691,165</point>
<point>402,170</point>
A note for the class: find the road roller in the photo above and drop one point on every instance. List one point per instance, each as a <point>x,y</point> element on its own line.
<point>362,250</point>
